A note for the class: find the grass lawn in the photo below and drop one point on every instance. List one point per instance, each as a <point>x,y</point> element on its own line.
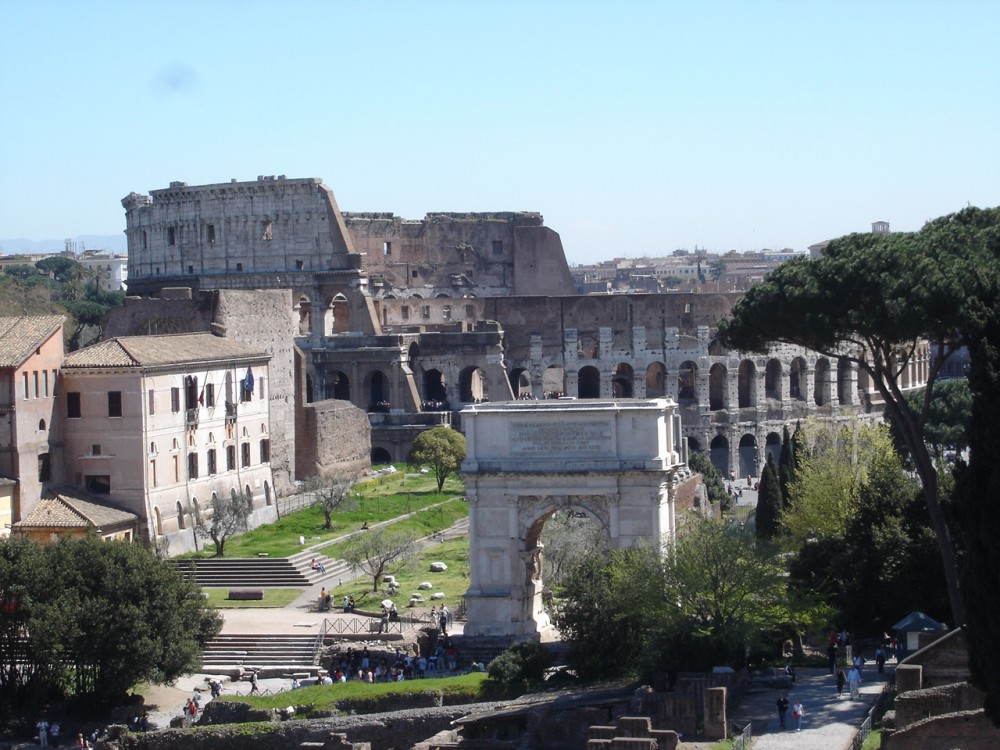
<point>272,598</point>
<point>475,685</point>
<point>453,583</point>
<point>873,741</point>
<point>374,500</point>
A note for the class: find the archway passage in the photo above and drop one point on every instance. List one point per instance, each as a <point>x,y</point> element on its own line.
<point>472,385</point>
<point>610,461</point>
<point>338,386</point>
<point>380,457</point>
<point>748,456</point>
<point>719,454</point>
<point>588,382</point>
<point>435,391</point>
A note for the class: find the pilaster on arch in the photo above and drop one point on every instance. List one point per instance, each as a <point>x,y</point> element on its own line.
<point>616,461</point>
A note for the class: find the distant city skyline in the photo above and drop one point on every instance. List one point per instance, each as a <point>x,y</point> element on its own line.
<point>635,128</point>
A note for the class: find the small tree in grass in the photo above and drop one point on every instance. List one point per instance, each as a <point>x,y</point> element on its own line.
<point>525,661</point>
<point>230,517</point>
<point>329,493</point>
<point>379,552</point>
<point>441,447</point>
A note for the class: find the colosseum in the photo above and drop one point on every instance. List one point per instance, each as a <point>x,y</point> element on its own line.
<point>410,320</point>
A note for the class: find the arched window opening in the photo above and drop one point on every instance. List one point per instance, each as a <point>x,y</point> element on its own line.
<point>746,384</point>
<point>748,456</point>
<point>797,379</point>
<point>656,380</point>
<point>687,384</point>
<point>588,382</point>
<point>554,382</point>
<point>623,381</point>
<point>472,386</point>
<point>435,391</point>
<point>821,389</point>
<point>719,455</point>
<point>772,380</point>
<point>718,388</point>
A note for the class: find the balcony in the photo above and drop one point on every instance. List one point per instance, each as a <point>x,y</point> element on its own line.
<point>191,417</point>
<point>230,412</point>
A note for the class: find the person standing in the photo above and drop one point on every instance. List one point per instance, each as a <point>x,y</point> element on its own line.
<point>43,732</point>
<point>782,710</point>
<point>854,682</point>
<point>841,679</point>
<point>798,711</point>
<point>831,654</point>
<point>880,659</point>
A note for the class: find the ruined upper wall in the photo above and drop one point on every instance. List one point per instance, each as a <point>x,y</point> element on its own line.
<point>272,225</point>
<point>460,254</point>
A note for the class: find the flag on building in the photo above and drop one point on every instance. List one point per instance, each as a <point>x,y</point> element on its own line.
<point>248,381</point>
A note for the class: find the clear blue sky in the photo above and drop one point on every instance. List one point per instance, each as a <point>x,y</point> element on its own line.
<point>635,128</point>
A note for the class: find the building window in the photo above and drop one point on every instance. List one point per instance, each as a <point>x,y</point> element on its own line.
<point>404,312</point>
<point>95,449</point>
<point>265,451</point>
<point>413,274</point>
<point>299,265</point>
<point>171,236</point>
<point>266,232</point>
<point>425,311</point>
<point>114,403</point>
<point>190,269</point>
<point>45,383</point>
<point>98,484</point>
<point>211,462</point>
<point>470,312</point>
<point>192,465</point>
<point>230,458</point>
<point>73,405</point>
<point>55,383</point>
<point>239,267</point>
<point>261,384</point>
<point>34,377</point>
<point>175,400</point>
<point>144,241</point>
<point>151,401</point>
<point>152,472</point>
<point>387,248</point>
<point>447,312</point>
<point>209,394</point>
<point>24,385</point>
<point>245,454</point>
<point>498,247</point>
<point>44,467</point>
<point>210,232</point>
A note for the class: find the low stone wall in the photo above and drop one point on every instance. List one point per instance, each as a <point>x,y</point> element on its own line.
<point>969,730</point>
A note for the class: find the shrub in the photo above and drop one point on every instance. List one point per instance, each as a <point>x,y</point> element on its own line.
<point>524,661</point>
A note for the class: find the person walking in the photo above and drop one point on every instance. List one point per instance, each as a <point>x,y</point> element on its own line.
<point>782,710</point>
<point>254,685</point>
<point>798,711</point>
<point>841,679</point>
<point>854,682</point>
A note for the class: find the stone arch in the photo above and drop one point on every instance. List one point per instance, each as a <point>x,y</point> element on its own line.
<point>180,516</point>
<point>821,388</point>
<point>473,387</point>
<point>746,384</point>
<point>687,383</point>
<point>845,372</point>
<point>380,456</point>
<point>554,381</point>
<point>514,486</point>
<point>196,510</point>
<point>157,522</point>
<point>623,381</point>
<point>520,383</point>
<point>248,494</point>
<point>772,447</point>
<point>303,310</point>
<point>694,445</point>
<point>715,348</point>
<point>748,455</point>
<point>435,388</point>
<point>377,385</point>
<point>588,382</point>
<point>719,454</point>
<point>656,380</point>
<point>267,493</point>
<point>41,425</point>
<point>338,386</point>
<point>772,380</point>
<point>338,314</point>
<point>718,387</point>
<point>797,379</point>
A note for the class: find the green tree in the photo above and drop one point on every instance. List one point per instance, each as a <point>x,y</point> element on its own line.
<point>230,517</point>
<point>567,538</point>
<point>329,494</point>
<point>715,485</point>
<point>379,551</point>
<point>947,418</point>
<point>875,300</point>
<point>441,447</point>
<point>717,269</point>
<point>102,617</point>
<point>768,503</point>
<point>786,465</point>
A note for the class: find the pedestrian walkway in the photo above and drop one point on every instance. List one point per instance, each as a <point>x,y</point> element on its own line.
<point>829,722</point>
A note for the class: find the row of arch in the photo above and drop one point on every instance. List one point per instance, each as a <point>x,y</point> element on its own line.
<point>377,388</point>
<point>196,511</point>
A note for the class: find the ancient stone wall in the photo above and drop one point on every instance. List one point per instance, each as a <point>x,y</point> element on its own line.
<point>969,730</point>
<point>335,439</point>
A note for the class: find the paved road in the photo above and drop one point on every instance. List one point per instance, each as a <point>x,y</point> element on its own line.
<point>830,722</point>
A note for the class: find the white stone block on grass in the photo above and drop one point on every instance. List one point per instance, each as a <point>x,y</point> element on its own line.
<point>426,585</point>
<point>438,567</point>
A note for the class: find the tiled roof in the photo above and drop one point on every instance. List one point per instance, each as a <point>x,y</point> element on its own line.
<point>67,509</point>
<point>157,351</point>
<point>20,336</point>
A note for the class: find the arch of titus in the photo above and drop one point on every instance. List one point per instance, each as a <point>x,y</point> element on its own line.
<point>617,461</point>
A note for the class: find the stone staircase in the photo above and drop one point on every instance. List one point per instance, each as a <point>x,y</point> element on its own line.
<point>270,655</point>
<point>251,572</point>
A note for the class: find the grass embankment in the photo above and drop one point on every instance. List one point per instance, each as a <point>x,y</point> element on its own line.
<point>475,686</point>
<point>372,501</point>
<point>272,598</point>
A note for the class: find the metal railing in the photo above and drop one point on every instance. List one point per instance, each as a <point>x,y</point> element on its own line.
<point>320,637</point>
<point>742,741</point>
<point>369,626</point>
<point>873,713</point>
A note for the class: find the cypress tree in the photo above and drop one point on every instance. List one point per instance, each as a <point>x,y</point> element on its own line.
<point>768,503</point>
<point>785,466</point>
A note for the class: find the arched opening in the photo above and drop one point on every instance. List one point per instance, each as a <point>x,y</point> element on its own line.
<point>718,387</point>
<point>380,457</point>
<point>472,386</point>
<point>719,455</point>
<point>656,380</point>
<point>772,447</point>
<point>748,456</point>
<point>340,315</point>
<point>157,522</point>
<point>435,392</point>
<point>821,388</point>
<point>772,380</point>
<point>797,379</point>
<point>248,494</point>
<point>746,384</point>
<point>864,389</point>
<point>567,536</point>
<point>338,386</point>
<point>304,312</point>
<point>267,493</point>
<point>196,511</point>
<point>520,384</point>
<point>845,394</point>
<point>378,392</point>
<point>554,382</point>
<point>180,516</point>
<point>694,445</point>
<point>588,382</point>
<point>623,381</point>
<point>41,425</point>
<point>715,348</point>
<point>687,384</point>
